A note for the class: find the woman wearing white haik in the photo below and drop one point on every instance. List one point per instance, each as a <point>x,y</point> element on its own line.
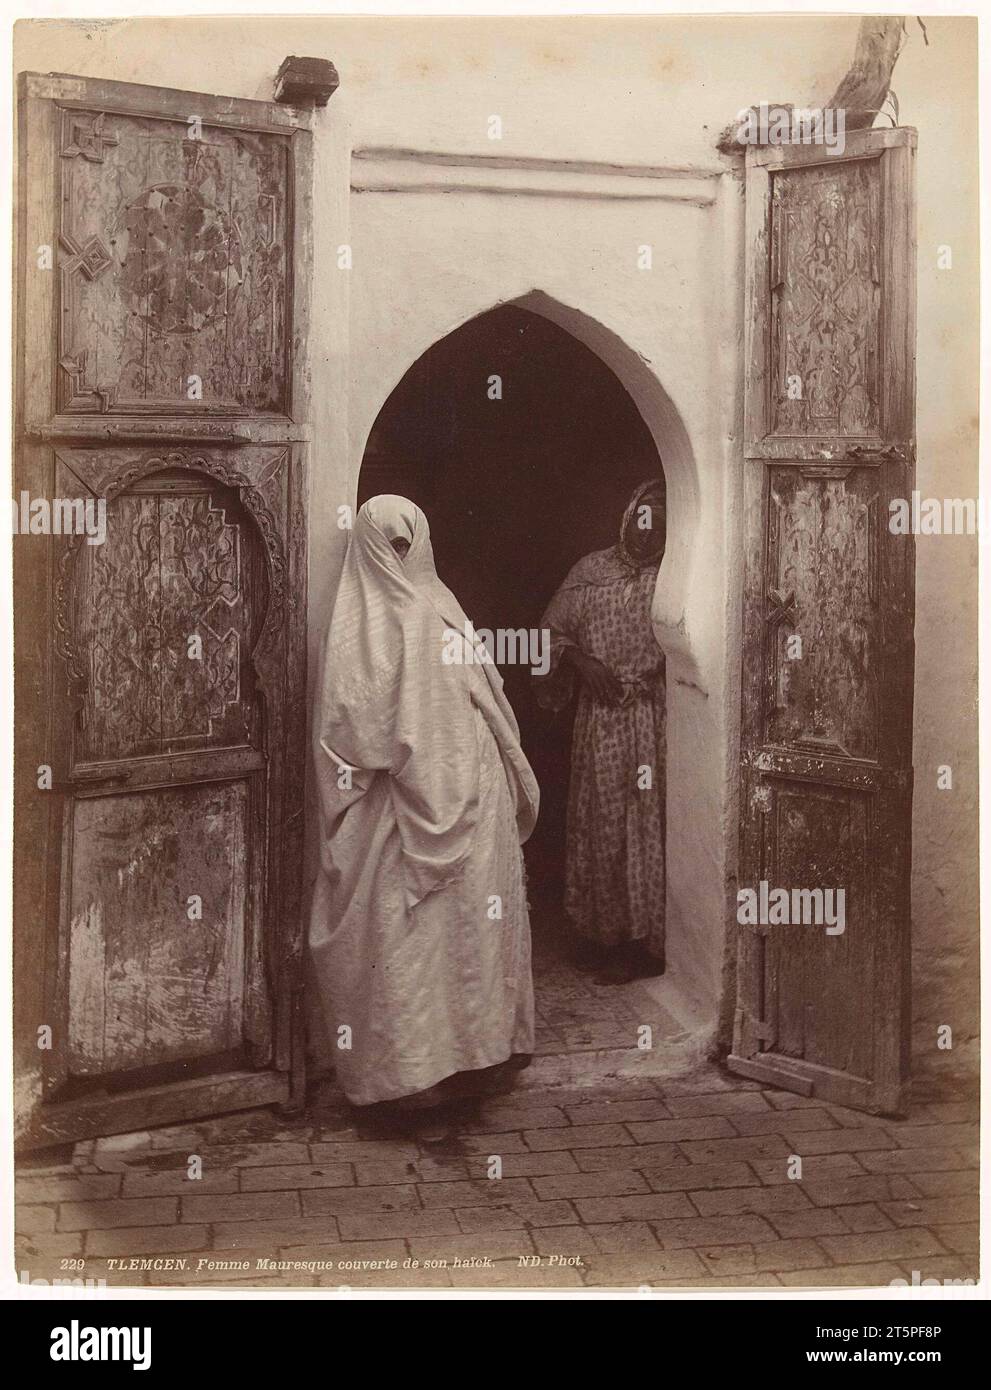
<point>419,935</point>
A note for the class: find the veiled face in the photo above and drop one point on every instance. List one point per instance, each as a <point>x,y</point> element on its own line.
<point>396,519</point>
<point>645,542</point>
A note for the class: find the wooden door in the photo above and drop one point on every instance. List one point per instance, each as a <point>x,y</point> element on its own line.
<point>826,738</point>
<point>160,666</point>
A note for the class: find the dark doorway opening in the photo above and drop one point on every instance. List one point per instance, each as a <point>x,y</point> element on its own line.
<point>516,490</point>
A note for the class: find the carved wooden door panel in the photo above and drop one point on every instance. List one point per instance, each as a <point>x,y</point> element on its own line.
<point>828,614</point>
<point>161,657</point>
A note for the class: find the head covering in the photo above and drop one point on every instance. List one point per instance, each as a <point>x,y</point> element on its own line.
<point>653,487</point>
<point>394,516</point>
<point>390,703</point>
<point>617,568</point>
<point>616,564</point>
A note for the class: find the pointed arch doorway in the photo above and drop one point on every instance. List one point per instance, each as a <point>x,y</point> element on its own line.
<point>516,486</point>
<point>523,447</point>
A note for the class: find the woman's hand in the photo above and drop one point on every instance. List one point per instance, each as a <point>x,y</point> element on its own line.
<point>601,682</point>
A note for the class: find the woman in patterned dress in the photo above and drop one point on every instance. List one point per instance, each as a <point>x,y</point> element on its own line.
<point>601,639</point>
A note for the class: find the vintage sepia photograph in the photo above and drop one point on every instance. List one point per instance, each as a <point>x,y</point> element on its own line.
<point>495,549</point>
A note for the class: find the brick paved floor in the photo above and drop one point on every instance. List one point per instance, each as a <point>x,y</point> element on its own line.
<point>667,1182</point>
<point>575,1015</point>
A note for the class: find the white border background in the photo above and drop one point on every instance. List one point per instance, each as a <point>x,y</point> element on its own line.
<point>10,1287</point>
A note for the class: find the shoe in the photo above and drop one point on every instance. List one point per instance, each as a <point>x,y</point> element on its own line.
<point>617,972</point>
<point>630,963</point>
<point>587,955</point>
<point>435,1130</point>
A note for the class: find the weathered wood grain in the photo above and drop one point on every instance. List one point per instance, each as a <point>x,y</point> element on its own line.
<point>183,245</point>
<point>831,297</point>
<point>826,735</point>
<point>190,1099</point>
<point>147,984</point>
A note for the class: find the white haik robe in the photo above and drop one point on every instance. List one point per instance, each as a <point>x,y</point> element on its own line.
<point>419,932</point>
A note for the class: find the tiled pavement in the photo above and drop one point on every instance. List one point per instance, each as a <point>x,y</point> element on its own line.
<point>575,1016</point>
<point>663,1182</point>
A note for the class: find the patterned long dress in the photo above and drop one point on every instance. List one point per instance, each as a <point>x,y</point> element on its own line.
<point>615,858</point>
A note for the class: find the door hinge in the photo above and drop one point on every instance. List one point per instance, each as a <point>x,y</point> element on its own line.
<point>761,1029</point>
